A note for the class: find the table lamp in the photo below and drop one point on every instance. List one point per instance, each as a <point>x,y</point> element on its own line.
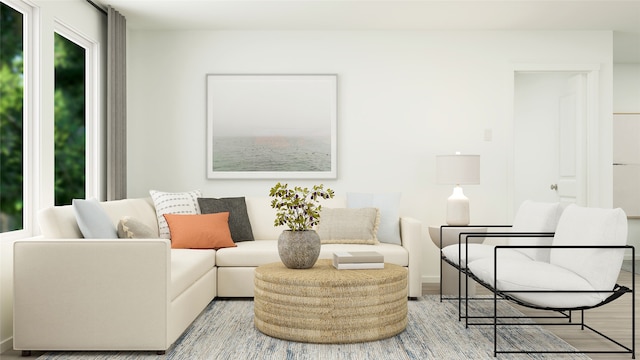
<point>459,170</point>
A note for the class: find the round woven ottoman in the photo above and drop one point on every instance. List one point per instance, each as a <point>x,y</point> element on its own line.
<point>326,305</point>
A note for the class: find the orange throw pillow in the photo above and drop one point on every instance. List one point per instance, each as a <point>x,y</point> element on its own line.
<point>206,231</point>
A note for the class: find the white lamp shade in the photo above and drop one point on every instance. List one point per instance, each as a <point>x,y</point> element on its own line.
<point>458,169</point>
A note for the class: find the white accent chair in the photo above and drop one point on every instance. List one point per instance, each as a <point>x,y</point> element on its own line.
<point>534,224</point>
<point>579,273</point>
<point>531,218</point>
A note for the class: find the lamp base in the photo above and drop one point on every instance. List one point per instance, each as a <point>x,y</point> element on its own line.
<point>457,208</point>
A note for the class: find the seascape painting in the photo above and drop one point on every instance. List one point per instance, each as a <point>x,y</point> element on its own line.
<point>271,126</point>
<point>272,153</point>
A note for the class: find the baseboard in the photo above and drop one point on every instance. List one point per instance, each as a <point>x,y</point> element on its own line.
<point>629,257</point>
<point>429,279</point>
<point>6,345</point>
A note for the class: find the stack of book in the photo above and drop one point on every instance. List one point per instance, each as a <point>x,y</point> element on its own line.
<point>358,260</point>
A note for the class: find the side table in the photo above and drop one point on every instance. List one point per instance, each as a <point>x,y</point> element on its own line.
<point>448,274</point>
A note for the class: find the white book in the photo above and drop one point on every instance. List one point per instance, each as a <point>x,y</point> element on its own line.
<point>356,266</point>
<point>357,257</point>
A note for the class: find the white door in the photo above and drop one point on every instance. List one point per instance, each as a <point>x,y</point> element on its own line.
<point>571,186</point>
<point>549,137</point>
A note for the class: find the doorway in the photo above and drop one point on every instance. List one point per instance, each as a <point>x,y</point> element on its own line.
<point>552,113</point>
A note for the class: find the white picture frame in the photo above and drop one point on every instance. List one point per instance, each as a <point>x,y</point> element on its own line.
<point>271,126</point>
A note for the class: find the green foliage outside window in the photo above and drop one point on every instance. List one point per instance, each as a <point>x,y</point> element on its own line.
<point>69,136</point>
<point>69,121</point>
<point>11,115</point>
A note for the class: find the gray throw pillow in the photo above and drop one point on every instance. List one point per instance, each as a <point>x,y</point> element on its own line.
<point>239,223</point>
<point>93,221</point>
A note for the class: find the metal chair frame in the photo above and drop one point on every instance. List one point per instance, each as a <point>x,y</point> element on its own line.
<point>565,313</point>
<point>460,268</point>
<point>459,242</point>
<point>502,294</point>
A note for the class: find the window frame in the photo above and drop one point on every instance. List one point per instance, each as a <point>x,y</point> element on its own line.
<point>92,112</point>
<point>40,20</point>
<point>30,120</point>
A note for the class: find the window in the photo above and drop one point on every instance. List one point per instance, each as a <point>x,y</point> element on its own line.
<point>70,127</point>
<point>12,99</point>
<point>50,141</point>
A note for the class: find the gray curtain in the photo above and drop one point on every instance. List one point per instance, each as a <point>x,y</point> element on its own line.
<point>116,106</point>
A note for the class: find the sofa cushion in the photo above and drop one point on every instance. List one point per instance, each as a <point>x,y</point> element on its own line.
<point>201,231</point>
<point>389,206</point>
<point>591,226</point>
<point>516,274</point>
<point>349,226</point>
<point>132,228</point>
<point>173,203</point>
<point>93,221</point>
<point>187,266</point>
<point>260,252</point>
<point>59,222</point>
<point>249,253</point>
<point>239,223</point>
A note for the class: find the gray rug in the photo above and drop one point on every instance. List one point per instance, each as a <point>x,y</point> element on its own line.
<point>225,330</point>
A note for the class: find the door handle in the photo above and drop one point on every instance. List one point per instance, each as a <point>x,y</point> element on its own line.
<point>554,187</point>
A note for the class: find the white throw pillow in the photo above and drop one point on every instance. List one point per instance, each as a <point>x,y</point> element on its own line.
<point>389,206</point>
<point>93,221</point>
<point>173,203</point>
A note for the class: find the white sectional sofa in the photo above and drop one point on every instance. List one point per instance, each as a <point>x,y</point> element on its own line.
<point>73,293</point>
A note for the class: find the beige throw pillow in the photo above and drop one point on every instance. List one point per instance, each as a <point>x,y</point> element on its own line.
<point>131,228</point>
<point>349,226</point>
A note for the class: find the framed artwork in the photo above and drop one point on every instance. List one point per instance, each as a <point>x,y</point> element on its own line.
<point>271,126</point>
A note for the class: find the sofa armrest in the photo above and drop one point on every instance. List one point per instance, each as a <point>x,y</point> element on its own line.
<point>411,235</point>
<point>90,294</point>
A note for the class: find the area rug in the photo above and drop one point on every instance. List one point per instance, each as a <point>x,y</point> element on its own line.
<point>225,330</point>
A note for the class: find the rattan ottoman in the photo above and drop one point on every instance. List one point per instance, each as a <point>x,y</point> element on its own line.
<point>326,305</point>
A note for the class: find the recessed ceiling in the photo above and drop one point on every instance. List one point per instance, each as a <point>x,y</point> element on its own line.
<point>622,17</point>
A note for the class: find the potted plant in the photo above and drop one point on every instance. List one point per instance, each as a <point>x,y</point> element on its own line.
<point>299,209</point>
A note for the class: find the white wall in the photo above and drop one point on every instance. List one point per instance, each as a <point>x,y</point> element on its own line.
<point>626,99</point>
<point>404,96</point>
<point>626,88</point>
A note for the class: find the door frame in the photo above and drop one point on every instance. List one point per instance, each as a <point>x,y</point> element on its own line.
<point>591,126</point>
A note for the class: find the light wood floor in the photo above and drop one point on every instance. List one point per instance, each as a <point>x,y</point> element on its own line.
<point>613,319</point>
